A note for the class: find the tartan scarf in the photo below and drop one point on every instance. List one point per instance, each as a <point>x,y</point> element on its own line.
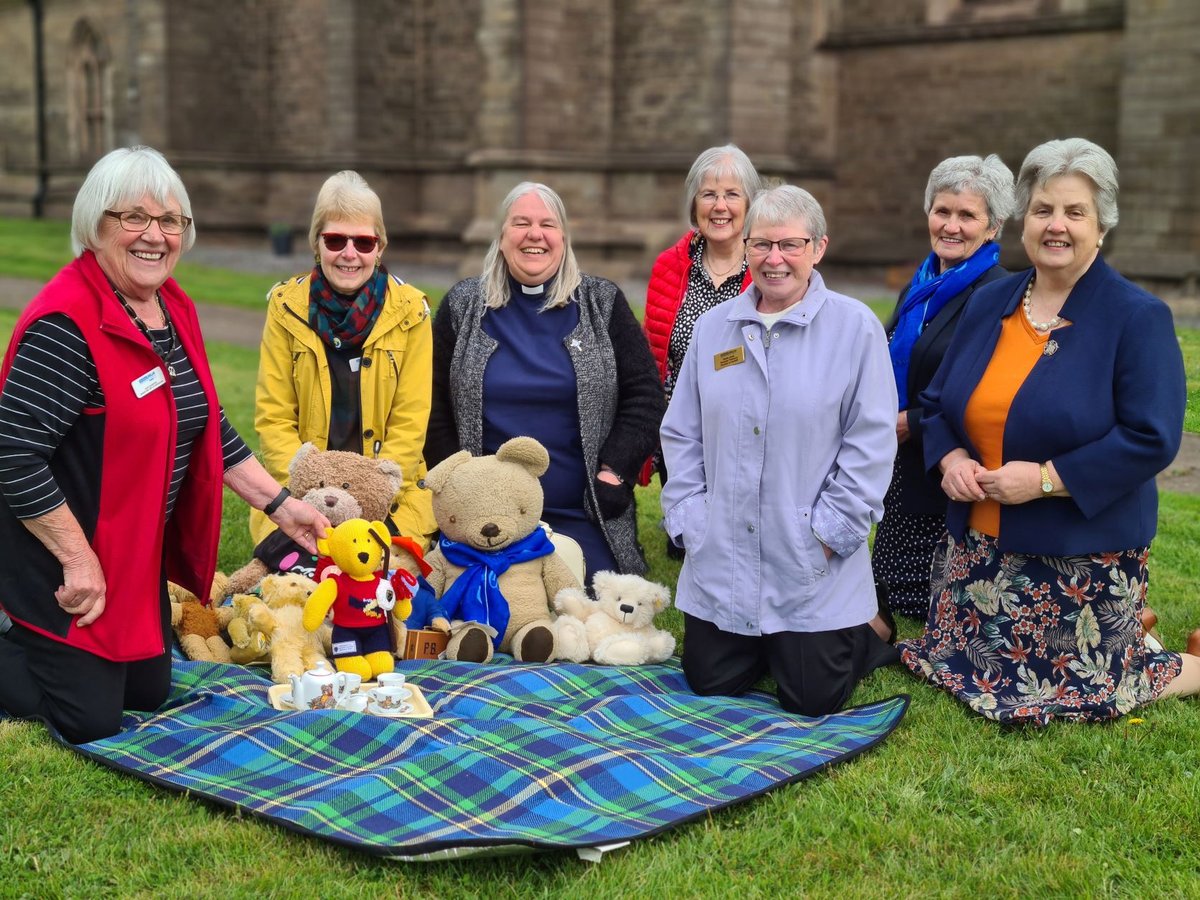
<point>341,321</point>
<point>475,595</point>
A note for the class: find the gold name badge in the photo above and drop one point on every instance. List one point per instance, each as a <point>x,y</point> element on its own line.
<point>727,358</point>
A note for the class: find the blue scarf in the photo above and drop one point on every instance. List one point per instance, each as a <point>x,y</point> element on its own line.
<point>928,292</point>
<point>475,596</point>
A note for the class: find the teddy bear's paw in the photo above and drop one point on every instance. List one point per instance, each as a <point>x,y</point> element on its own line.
<point>534,643</point>
<point>572,601</point>
<point>470,643</point>
<point>621,650</point>
<point>571,639</point>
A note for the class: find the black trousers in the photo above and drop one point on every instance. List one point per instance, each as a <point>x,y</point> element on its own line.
<point>79,693</point>
<point>816,671</point>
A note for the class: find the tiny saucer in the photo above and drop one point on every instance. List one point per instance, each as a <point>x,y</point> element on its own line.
<point>286,700</point>
<point>403,710</point>
<point>405,694</point>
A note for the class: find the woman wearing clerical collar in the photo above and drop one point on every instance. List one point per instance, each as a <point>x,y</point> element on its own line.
<point>535,347</point>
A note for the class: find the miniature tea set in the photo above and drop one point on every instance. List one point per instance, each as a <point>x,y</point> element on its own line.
<point>323,688</point>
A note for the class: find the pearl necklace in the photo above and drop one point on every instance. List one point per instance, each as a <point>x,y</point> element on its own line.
<point>1026,304</point>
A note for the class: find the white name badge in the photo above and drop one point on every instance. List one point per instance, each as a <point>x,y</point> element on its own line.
<point>144,384</point>
<point>344,647</point>
<point>355,363</point>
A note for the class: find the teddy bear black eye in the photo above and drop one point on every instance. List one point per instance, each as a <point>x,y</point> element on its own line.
<point>345,485</point>
<point>321,483</point>
<point>453,519</point>
<point>395,506</point>
<point>521,510</point>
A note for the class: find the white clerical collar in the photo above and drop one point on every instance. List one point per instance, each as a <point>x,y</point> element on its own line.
<point>535,289</point>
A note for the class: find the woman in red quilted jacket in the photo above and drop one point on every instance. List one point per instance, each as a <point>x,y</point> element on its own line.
<point>705,267</point>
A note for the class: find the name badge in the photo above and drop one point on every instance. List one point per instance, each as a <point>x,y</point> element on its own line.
<point>144,384</point>
<point>727,358</point>
<point>344,647</point>
<point>355,364</point>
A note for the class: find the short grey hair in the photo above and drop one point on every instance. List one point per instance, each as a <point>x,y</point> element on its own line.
<point>1072,156</point>
<point>990,178</point>
<point>786,203</point>
<point>346,195</point>
<point>495,267</point>
<point>119,178</point>
<point>713,163</point>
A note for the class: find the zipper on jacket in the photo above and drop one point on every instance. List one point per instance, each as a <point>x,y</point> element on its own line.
<point>395,368</point>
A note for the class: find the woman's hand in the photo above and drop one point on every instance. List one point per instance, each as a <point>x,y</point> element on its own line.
<point>613,495</point>
<point>82,591</point>
<point>1012,483</point>
<point>902,432</point>
<point>301,522</point>
<point>960,476</point>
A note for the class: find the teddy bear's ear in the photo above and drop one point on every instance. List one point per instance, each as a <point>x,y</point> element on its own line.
<point>661,596</point>
<point>306,448</point>
<point>391,469</point>
<point>436,478</point>
<point>527,453</point>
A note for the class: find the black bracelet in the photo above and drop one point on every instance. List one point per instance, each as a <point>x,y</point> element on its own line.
<point>270,508</point>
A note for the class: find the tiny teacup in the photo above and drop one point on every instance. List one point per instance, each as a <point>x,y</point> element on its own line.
<point>390,679</point>
<point>389,699</point>
<point>354,703</point>
<point>353,682</point>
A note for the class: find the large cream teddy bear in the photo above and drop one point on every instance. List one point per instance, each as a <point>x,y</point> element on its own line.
<point>494,570</point>
<point>618,626</point>
<point>343,486</point>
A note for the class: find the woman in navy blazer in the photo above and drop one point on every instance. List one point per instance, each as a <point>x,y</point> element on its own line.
<point>967,200</point>
<point>1057,404</point>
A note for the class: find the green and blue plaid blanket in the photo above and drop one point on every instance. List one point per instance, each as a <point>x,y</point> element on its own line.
<point>550,756</point>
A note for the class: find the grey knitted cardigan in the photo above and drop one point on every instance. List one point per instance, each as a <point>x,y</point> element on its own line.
<point>620,397</point>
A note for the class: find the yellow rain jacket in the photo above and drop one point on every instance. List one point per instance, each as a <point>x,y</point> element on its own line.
<point>292,396</point>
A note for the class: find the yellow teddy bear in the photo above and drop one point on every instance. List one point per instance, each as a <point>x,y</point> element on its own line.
<point>360,595</point>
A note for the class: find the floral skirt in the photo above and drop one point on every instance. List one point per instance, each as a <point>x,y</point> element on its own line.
<point>1028,639</point>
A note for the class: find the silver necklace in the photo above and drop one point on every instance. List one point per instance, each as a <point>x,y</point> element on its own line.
<point>1026,304</point>
<point>713,273</point>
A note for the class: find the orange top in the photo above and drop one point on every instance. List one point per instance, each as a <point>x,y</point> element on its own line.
<point>1015,355</point>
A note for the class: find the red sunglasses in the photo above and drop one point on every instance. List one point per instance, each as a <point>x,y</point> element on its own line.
<point>336,243</point>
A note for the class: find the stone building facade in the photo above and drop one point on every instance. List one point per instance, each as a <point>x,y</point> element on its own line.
<point>444,106</point>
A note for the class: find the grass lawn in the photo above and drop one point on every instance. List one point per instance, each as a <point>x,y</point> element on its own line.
<point>950,805</point>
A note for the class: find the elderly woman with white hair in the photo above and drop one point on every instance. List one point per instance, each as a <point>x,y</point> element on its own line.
<point>1060,399</point>
<point>967,201</point>
<point>704,268</point>
<point>779,441</point>
<point>534,347</point>
<point>113,450</point>
<point>346,360</point>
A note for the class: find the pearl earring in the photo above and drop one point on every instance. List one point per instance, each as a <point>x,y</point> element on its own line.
<point>1100,243</point>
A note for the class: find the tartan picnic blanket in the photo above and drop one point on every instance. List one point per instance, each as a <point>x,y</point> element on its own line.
<point>516,756</point>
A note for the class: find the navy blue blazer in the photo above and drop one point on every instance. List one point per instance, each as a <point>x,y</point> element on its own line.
<point>919,495</point>
<point>1107,408</point>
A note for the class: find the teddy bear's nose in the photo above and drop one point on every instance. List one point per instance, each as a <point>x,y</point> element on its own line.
<point>626,608</point>
<point>490,530</point>
<point>331,502</point>
<point>364,557</point>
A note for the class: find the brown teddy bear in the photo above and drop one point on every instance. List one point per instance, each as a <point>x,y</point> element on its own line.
<point>197,625</point>
<point>488,509</point>
<point>274,624</point>
<point>341,485</point>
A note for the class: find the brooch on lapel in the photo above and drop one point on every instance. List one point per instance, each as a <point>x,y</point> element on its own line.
<point>1050,349</point>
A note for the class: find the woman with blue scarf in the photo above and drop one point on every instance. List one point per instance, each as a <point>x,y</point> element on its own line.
<point>967,201</point>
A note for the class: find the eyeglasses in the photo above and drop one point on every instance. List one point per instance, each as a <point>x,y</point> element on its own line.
<point>709,198</point>
<point>136,220</point>
<point>336,243</point>
<point>787,246</point>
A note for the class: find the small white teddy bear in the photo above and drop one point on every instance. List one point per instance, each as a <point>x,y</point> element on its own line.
<point>615,629</point>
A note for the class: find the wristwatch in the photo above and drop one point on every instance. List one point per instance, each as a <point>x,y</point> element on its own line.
<point>1047,484</point>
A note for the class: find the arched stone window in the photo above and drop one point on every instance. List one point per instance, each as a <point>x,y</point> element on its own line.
<point>90,85</point>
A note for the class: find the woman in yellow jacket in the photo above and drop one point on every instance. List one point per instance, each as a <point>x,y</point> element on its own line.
<point>346,356</point>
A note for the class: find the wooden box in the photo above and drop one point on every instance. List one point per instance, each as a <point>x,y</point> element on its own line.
<point>424,643</point>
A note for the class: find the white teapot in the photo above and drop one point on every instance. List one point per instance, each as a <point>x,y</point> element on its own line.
<point>319,688</point>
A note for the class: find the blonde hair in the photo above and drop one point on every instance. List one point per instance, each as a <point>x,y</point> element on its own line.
<point>346,195</point>
<point>495,267</point>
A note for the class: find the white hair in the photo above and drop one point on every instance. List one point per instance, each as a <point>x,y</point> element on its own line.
<point>1072,156</point>
<point>713,163</point>
<point>495,267</point>
<point>119,178</point>
<point>786,203</point>
<point>990,178</point>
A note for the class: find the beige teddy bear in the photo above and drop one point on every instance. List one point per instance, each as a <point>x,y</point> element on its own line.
<point>341,485</point>
<point>617,627</point>
<point>274,624</point>
<point>488,509</point>
<point>199,625</point>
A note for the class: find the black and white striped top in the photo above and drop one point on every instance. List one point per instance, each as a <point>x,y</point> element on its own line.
<point>52,381</point>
